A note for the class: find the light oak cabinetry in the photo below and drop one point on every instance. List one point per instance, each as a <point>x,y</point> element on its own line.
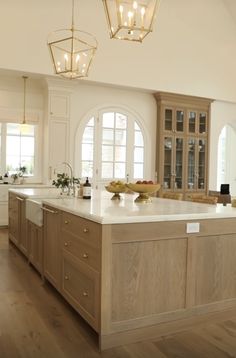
<point>182,143</point>
<point>126,280</point>
<point>72,261</point>
<point>51,250</point>
<point>81,266</point>
<point>17,222</point>
<point>35,240</point>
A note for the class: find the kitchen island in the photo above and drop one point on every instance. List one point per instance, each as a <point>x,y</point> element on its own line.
<point>127,268</point>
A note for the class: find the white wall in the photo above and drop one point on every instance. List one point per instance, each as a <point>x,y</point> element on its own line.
<point>192,49</point>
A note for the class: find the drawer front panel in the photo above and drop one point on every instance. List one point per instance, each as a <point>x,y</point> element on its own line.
<point>89,255</point>
<point>80,286</point>
<point>85,229</point>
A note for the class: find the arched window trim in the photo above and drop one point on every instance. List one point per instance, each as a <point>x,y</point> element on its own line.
<point>96,112</point>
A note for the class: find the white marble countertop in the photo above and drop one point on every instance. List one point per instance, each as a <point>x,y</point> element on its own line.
<point>37,192</point>
<point>103,210</point>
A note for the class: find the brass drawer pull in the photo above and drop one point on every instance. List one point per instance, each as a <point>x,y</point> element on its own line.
<point>66,222</point>
<point>66,277</point>
<point>86,230</point>
<point>85,294</point>
<point>65,243</point>
<point>49,210</point>
<point>85,256</point>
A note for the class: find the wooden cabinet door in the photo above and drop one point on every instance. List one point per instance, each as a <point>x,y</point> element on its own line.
<point>35,240</point>
<point>23,237</point>
<point>13,219</point>
<point>51,250</point>
<point>81,288</point>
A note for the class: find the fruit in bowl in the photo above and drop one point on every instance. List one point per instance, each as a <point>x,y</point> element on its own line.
<point>116,187</point>
<point>144,188</point>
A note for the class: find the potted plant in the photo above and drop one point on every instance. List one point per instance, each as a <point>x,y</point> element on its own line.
<point>63,181</point>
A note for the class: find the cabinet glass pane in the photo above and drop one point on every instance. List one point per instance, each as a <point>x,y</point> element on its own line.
<point>179,163</point>
<point>201,163</point>
<point>120,154</point>
<point>138,171</point>
<point>107,136</point>
<point>107,170</point>
<point>191,163</point>
<point>167,162</point>
<point>87,151</point>
<point>179,121</point>
<point>192,122</point>
<point>168,119</point>
<point>108,120</point>
<point>202,123</point>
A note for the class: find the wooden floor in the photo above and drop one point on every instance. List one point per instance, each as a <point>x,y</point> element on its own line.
<point>36,322</point>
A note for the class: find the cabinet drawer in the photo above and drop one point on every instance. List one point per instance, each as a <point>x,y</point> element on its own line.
<point>86,253</point>
<point>85,229</point>
<point>81,287</point>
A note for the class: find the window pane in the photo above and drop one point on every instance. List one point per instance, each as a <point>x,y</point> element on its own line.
<point>138,138</point>
<point>12,164</point>
<point>27,145</point>
<point>120,154</point>
<point>121,121</point>
<point>120,137</point>
<point>136,127</point>
<point>91,122</point>
<point>13,128</point>
<point>107,153</point>
<point>28,162</point>
<point>119,170</point>
<point>13,146</point>
<point>107,170</point>
<point>138,171</point>
<point>88,135</point>
<point>138,155</point>
<point>107,136</point>
<point>87,151</point>
<point>108,120</point>
<point>87,169</point>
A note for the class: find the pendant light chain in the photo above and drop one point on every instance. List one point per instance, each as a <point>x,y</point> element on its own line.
<point>25,78</point>
<point>72,19</point>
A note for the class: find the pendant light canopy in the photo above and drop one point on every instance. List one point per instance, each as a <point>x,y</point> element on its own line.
<point>130,20</point>
<point>72,51</point>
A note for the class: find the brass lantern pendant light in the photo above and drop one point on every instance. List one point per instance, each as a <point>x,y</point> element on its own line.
<point>130,19</point>
<point>72,51</point>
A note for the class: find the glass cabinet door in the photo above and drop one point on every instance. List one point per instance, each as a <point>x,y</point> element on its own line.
<point>178,175</point>
<point>191,170</point>
<point>168,121</point>
<point>179,125</point>
<point>192,120</point>
<point>202,123</point>
<point>168,150</point>
<point>201,163</point>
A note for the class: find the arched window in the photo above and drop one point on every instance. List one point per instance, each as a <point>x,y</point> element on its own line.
<point>112,146</point>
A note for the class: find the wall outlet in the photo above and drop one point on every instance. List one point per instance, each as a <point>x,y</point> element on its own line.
<point>192,228</point>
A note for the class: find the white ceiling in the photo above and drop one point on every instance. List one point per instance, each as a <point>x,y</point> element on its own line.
<point>192,49</point>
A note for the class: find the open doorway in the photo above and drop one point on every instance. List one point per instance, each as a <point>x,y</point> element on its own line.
<point>226,167</point>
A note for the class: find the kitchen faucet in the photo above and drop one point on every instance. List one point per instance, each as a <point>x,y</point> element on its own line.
<point>72,184</point>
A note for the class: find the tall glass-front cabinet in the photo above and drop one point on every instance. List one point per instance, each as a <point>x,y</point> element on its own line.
<point>182,143</point>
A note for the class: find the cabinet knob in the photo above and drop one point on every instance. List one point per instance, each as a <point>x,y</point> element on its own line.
<point>66,277</point>
<point>85,256</point>
<point>66,244</point>
<point>66,222</point>
<point>85,294</point>
<point>86,230</point>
